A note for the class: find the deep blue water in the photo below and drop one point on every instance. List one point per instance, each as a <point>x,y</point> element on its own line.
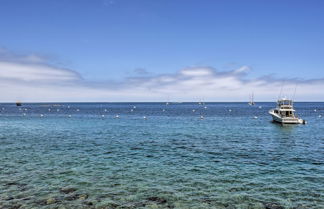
<point>79,155</point>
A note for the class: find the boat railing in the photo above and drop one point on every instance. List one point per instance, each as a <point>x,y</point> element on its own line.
<point>285,102</point>
<point>287,119</point>
<point>286,107</point>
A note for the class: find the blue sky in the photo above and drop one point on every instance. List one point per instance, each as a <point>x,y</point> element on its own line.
<point>108,41</point>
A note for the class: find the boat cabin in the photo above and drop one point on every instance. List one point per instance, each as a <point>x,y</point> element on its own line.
<point>285,108</point>
<point>284,113</point>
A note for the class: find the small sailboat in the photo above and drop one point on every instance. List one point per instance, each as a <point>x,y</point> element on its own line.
<point>251,102</point>
<point>284,113</point>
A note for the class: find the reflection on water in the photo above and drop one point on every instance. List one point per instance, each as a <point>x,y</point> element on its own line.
<point>285,128</point>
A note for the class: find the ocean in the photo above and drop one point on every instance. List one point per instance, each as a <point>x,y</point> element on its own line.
<point>154,155</point>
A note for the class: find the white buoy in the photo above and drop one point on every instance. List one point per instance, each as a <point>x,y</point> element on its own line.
<point>70,116</point>
<point>106,110</point>
<point>57,110</point>
<point>205,107</point>
<point>132,110</point>
<point>315,110</point>
<point>201,117</point>
<point>144,117</point>
<point>134,107</point>
<point>102,116</point>
<point>163,110</point>
<point>77,110</point>
<point>255,117</point>
<point>24,114</point>
<point>117,116</point>
<point>320,116</point>
<point>68,106</point>
<point>193,110</point>
<point>260,107</point>
<point>230,110</point>
<point>41,115</point>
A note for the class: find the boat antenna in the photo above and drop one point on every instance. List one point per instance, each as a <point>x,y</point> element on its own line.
<point>283,82</point>
<point>294,92</point>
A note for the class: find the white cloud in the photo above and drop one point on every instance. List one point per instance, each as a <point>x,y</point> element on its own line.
<point>31,79</point>
<point>197,72</point>
<point>35,72</point>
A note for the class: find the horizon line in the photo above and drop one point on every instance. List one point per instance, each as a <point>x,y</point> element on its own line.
<point>172,102</point>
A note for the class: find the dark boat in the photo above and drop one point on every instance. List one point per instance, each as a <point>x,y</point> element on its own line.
<point>18,103</point>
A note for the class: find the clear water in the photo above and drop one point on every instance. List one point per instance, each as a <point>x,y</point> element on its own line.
<point>173,159</point>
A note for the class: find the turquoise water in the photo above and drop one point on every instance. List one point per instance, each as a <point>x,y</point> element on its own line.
<point>80,156</point>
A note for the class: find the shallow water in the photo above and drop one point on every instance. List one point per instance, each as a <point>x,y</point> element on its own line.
<point>173,159</point>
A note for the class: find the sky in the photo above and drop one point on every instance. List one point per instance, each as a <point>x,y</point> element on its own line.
<point>158,50</point>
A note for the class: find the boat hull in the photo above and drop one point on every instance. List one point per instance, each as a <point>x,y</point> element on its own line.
<point>285,120</point>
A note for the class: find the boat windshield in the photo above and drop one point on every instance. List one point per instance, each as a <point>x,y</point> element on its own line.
<point>285,102</point>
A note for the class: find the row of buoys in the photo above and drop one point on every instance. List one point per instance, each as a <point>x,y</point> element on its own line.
<point>134,107</point>
<point>116,116</point>
<point>144,117</point>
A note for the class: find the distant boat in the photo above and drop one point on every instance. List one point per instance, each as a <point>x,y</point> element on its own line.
<point>251,102</point>
<point>284,113</point>
<point>18,103</point>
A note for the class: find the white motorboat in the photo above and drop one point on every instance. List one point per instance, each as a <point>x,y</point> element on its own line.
<point>284,113</point>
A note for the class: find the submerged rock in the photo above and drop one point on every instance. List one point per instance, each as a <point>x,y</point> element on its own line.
<point>88,203</point>
<point>15,206</point>
<point>50,201</point>
<point>157,200</point>
<point>11,183</point>
<point>83,196</point>
<point>76,197</point>
<point>207,200</point>
<point>67,190</point>
<point>72,197</point>
<point>271,205</point>
<point>9,198</point>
